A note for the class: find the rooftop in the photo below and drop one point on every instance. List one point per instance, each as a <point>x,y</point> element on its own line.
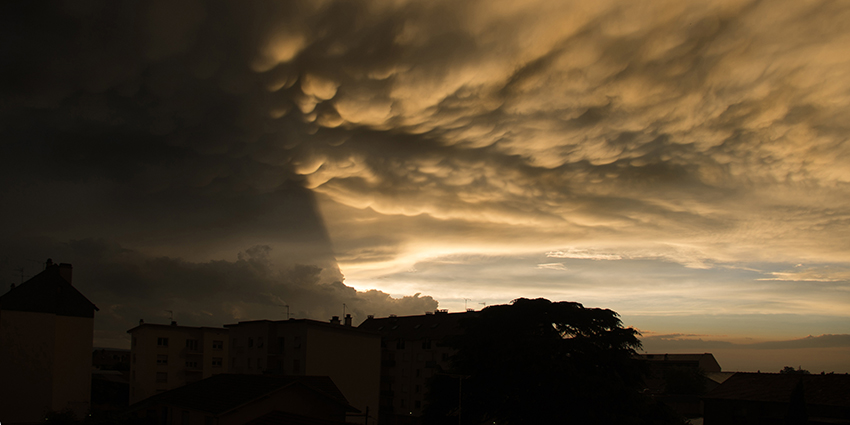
<point>49,292</point>
<point>224,392</point>
<point>831,390</point>
<point>426,326</point>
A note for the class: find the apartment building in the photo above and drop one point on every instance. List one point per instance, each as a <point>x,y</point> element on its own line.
<point>46,329</point>
<point>164,357</point>
<point>412,351</point>
<point>348,355</point>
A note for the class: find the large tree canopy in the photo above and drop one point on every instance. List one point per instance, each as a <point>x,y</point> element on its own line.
<point>539,362</point>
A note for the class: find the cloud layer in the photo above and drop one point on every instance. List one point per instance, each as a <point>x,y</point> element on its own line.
<point>396,136</point>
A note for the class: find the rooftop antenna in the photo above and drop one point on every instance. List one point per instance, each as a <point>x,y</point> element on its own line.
<point>171,314</point>
<point>464,302</point>
<point>343,309</point>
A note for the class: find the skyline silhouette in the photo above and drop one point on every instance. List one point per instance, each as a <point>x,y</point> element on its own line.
<point>682,164</point>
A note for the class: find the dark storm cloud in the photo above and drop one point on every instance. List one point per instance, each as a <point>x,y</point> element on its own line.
<point>705,133</point>
<point>127,286</point>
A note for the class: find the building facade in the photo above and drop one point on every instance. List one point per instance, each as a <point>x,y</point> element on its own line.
<point>413,349</point>
<point>46,330</point>
<point>164,357</point>
<point>348,355</point>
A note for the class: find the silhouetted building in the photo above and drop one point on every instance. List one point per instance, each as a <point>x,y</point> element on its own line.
<point>772,398</point>
<point>46,330</point>
<point>230,399</point>
<point>412,351</point>
<point>680,380</point>
<point>348,355</point>
<point>164,357</point>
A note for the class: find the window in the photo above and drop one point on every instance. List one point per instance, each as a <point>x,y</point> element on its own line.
<point>209,420</point>
<point>418,389</point>
<point>281,344</point>
<point>162,342</point>
<point>418,372</point>
<point>402,402</point>
<point>192,344</point>
<point>233,362</point>
<point>260,342</point>
<point>259,363</point>
<point>185,417</point>
<point>250,342</point>
<point>134,375</point>
<point>161,359</point>
<point>249,363</point>
<point>296,366</point>
<point>162,377</point>
<point>445,356</point>
<point>400,344</point>
<point>426,345</point>
<point>418,404</point>
<point>134,341</point>
<point>218,345</point>
<point>216,362</point>
<point>233,342</point>
<point>192,365</point>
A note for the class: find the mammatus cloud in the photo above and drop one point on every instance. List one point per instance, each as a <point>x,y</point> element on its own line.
<point>709,134</point>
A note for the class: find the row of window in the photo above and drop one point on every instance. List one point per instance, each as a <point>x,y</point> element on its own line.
<point>191,344</point>
<point>401,345</point>
<point>281,342</point>
<point>162,360</point>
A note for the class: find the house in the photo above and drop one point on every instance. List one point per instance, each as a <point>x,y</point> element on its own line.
<point>232,399</point>
<point>164,357</point>
<point>297,347</point>
<point>46,330</point>
<point>412,351</point>
<point>775,398</point>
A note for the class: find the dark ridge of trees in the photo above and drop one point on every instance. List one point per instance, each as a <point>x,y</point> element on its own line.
<point>789,370</point>
<point>538,362</point>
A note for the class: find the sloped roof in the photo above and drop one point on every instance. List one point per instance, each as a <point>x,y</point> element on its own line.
<point>224,392</point>
<point>829,390</point>
<point>427,326</point>
<point>48,292</point>
<point>277,417</point>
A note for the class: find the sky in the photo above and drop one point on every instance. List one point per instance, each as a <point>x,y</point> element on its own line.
<point>685,164</point>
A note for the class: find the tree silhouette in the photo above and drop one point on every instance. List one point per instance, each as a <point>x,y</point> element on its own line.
<point>539,362</point>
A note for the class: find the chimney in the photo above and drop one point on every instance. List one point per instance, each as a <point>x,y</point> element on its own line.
<point>335,320</point>
<point>48,263</point>
<point>141,321</point>
<point>173,323</point>
<point>13,286</point>
<point>65,270</point>
<point>371,316</point>
<point>348,320</point>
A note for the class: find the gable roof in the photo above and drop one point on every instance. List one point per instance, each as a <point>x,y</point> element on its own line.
<point>224,392</point>
<point>48,292</point>
<point>830,390</point>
